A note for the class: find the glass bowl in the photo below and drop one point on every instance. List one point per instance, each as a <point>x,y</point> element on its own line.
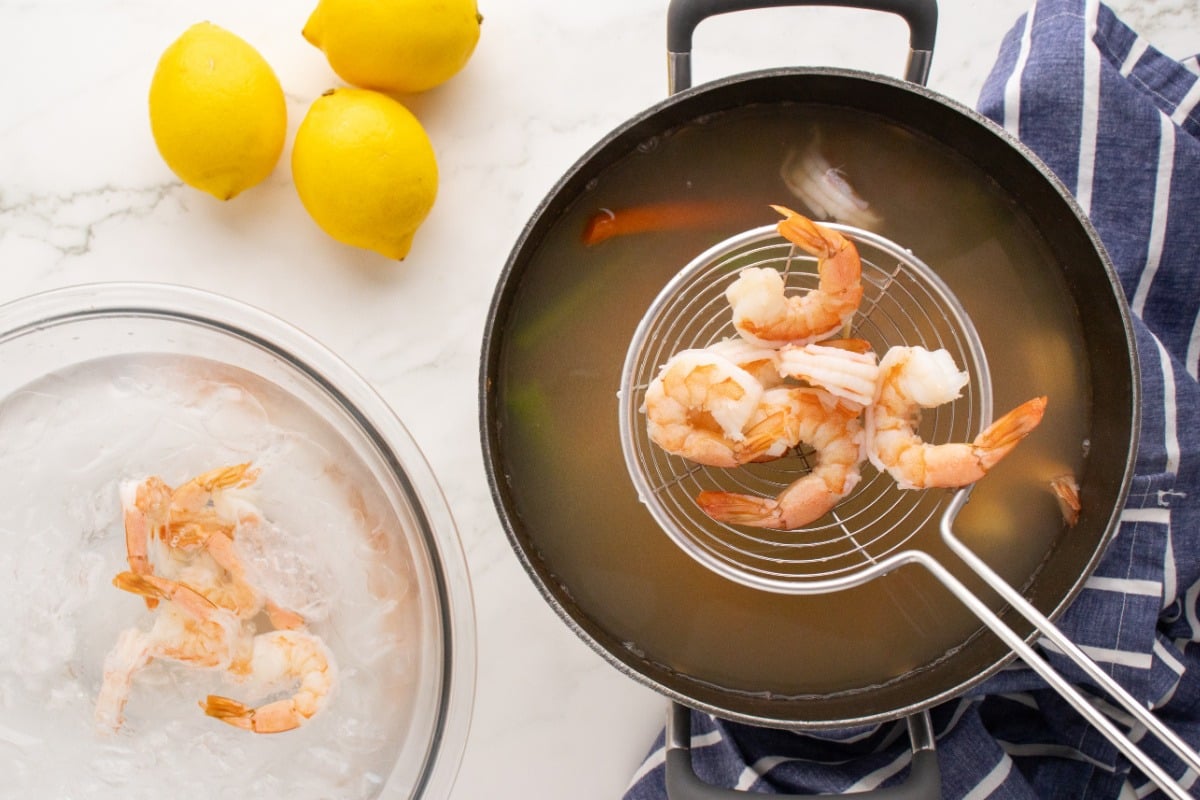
<point>110,383</point>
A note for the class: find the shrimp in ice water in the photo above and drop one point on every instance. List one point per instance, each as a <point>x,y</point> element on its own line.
<point>913,378</point>
<point>764,314</point>
<point>194,631</point>
<point>834,431</point>
<point>180,550</point>
<point>280,657</point>
<point>195,511</point>
<point>187,534</point>
<point>188,628</point>
<point>146,507</point>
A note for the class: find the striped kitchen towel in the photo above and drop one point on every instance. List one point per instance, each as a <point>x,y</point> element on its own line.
<point>1119,123</point>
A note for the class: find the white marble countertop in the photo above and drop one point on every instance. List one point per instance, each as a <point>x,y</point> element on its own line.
<point>85,197</point>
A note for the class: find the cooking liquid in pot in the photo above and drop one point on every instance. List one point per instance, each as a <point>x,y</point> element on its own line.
<point>333,553</point>
<point>559,373</point>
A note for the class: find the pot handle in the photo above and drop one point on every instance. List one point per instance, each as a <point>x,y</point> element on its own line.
<point>684,15</point>
<point>924,779</point>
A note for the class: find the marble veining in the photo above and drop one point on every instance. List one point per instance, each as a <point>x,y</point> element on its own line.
<point>85,197</point>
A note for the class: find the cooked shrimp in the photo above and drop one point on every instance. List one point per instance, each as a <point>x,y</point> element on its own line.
<point>846,369</point>
<point>181,519</point>
<point>775,424</point>
<point>823,187</point>
<point>761,362</point>
<point>765,315</point>
<point>278,657</point>
<point>191,628</point>
<point>207,604</point>
<point>188,628</point>
<point>194,515</point>
<point>129,655</point>
<point>1066,491</point>
<point>835,433</point>
<point>194,527</point>
<point>699,407</point>
<point>145,507</point>
<point>912,378</point>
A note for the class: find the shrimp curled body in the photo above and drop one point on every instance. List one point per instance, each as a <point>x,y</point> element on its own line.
<point>700,406</point>
<point>277,657</point>
<point>834,431</point>
<point>765,315</point>
<point>912,378</point>
<point>188,628</point>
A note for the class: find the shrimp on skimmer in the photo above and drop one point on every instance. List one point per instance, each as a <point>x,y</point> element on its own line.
<point>761,362</point>
<point>834,430</point>
<point>699,406</point>
<point>764,314</point>
<point>913,378</point>
<point>846,368</point>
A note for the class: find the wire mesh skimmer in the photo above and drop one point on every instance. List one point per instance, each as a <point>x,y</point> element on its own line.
<point>876,528</point>
<point>904,302</point>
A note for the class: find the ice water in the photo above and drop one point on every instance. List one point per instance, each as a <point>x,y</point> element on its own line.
<point>333,551</point>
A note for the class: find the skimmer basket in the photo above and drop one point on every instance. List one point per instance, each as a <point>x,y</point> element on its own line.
<point>904,302</point>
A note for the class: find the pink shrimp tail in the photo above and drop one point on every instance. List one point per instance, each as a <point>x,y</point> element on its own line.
<point>276,717</point>
<point>806,500</point>
<point>766,436</point>
<point>739,509</point>
<point>234,475</point>
<point>803,232</point>
<point>839,276</point>
<point>1005,433</point>
<point>1066,492</point>
<point>229,711</point>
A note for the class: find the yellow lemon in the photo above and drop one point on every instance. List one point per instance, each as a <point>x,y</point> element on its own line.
<point>217,111</point>
<point>395,45</point>
<point>365,170</point>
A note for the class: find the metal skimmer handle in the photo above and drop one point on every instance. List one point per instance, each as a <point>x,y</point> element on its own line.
<point>684,15</point>
<point>1072,651</point>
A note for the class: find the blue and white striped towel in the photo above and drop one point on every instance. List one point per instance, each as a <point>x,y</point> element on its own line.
<point>1119,123</point>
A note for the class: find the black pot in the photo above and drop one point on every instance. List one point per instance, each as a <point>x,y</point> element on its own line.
<point>564,311</point>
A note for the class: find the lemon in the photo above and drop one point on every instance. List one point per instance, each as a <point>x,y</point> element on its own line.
<point>217,111</point>
<point>365,170</point>
<point>401,46</point>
